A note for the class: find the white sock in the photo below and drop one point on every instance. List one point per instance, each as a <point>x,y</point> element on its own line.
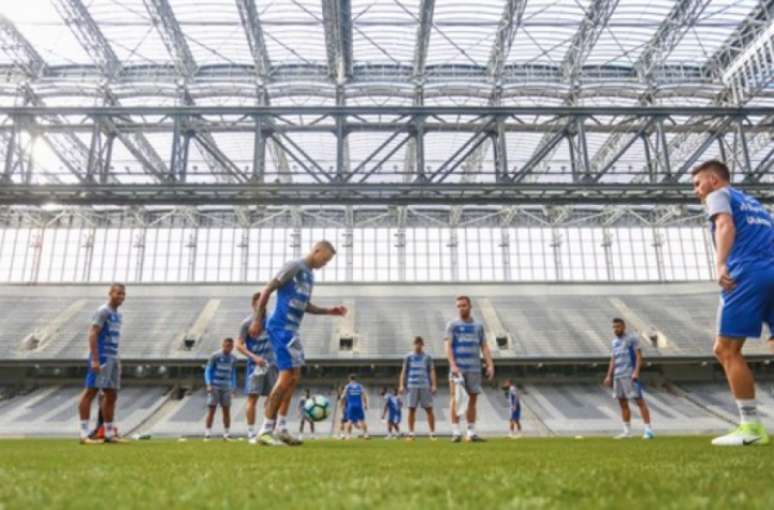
<point>109,430</point>
<point>268,426</point>
<point>627,427</point>
<point>207,432</point>
<point>456,429</point>
<point>471,429</point>
<point>251,431</point>
<point>282,423</point>
<point>225,432</point>
<point>748,411</point>
<point>648,428</point>
<point>84,429</point>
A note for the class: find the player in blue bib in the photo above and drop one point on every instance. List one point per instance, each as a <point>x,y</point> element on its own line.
<point>743,235</point>
<point>356,402</point>
<point>221,378</point>
<point>104,372</point>
<point>260,371</point>
<point>293,284</point>
<point>392,412</point>
<point>514,406</point>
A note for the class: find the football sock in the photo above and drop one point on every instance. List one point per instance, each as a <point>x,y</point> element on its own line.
<point>471,429</point>
<point>268,426</point>
<point>225,432</point>
<point>84,428</point>
<point>748,412</point>
<point>627,427</point>
<point>648,428</point>
<point>207,432</point>
<point>250,431</point>
<point>282,423</point>
<point>109,430</point>
<point>456,429</point>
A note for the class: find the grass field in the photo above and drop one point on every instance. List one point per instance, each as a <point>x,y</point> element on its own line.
<point>673,472</point>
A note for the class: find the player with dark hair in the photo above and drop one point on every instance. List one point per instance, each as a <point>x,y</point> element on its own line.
<point>303,419</point>
<point>514,406</point>
<point>356,400</point>
<point>743,235</point>
<point>220,378</point>
<point>623,375</point>
<point>418,382</point>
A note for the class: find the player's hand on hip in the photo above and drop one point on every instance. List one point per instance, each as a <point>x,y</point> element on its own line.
<point>724,278</point>
<point>454,369</point>
<point>95,366</point>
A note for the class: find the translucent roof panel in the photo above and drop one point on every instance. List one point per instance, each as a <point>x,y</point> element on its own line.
<point>384,32</point>
<point>462,35</point>
<point>128,28</point>
<point>40,23</point>
<point>546,31</point>
<point>293,32</point>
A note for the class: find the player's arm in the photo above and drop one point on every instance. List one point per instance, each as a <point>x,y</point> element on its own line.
<point>208,374</point>
<point>257,325</point>
<point>450,356</point>
<point>403,374</point>
<point>365,400</point>
<point>725,233</point>
<point>93,350</point>
<point>319,310</point>
<point>609,377</point>
<point>233,377</point>
<point>241,346</point>
<point>490,369</point>
<point>433,379</point>
<point>637,365</point>
<point>384,411</point>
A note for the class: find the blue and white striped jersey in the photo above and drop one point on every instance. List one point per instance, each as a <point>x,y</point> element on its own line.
<point>466,338</point>
<point>416,369</point>
<point>220,372</point>
<point>109,322</point>
<point>296,283</point>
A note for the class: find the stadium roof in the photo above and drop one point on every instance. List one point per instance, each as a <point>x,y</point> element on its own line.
<point>389,54</point>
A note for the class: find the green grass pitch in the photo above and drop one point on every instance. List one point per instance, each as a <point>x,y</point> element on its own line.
<point>674,472</point>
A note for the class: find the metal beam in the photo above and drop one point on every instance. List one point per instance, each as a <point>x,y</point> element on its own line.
<point>337,21</point>
<point>595,20</point>
<point>506,32</point>
<point>167,26</point>
<point>251,23</point>
<point>358,194</point>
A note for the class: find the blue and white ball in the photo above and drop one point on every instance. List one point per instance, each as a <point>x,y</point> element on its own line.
<point>317,408</point>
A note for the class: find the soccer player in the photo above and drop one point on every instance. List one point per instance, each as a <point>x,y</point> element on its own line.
<point>623,375</point>
<point>463,340</point>
<point>392,405</point>
<point>418,381</point>
<point>302,415</point>
<point>261,369</point>
<point>356,406</point>
<point>743,234</point>
<point>515,407</point>
<point>104,372</point>
<point>294,285</point>
<point>220,378</point>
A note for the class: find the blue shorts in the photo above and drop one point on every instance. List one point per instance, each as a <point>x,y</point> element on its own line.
<point>742,312</point>
<point>355,414</point>
<point>394,417</point>
<point>516,414</point>
<point>344,417</point>
<point>287,347</point>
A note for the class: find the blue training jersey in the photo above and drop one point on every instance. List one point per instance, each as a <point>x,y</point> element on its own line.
<point>754,239</point>
<point>296,282</point>
<point>220,372</point>
<point>109,322</point>
<point>260,346</point>
<point>466,339</point>
<point>513,398</point>
<point>353,394</point>
<point>625,349</point>
<point>416,370</point>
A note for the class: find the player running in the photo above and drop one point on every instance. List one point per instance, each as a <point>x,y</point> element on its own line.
<point>514,404</point>
<point>261,369</point>
<point>463,341</point>
<point>623,375</point>
<point>294,285</point>
<point>104,372</point>
<point>743,235</point>
<point>220,377</point>
<point>303,419</point>
<point>418,381</point>
<point>356,405</point>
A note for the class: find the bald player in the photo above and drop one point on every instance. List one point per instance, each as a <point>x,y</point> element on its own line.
<point>293,284</point>
<point>743,235</point>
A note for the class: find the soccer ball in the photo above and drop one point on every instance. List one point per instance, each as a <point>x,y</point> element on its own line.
<point>317,408</point>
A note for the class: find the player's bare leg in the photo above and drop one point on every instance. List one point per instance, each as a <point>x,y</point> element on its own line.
<point>431,422</point>
<point>208,421</point>
<point>252,403</point>
<point>282,427</point>
<point>285,382</point>
<point>226,422</point>
<point>470,416</point>
<point>84,411</point>
<point>728,351</point>
<point>412,418</point>
<point>626,416</point>
<point>108,413</point>
<point>645,414</point>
